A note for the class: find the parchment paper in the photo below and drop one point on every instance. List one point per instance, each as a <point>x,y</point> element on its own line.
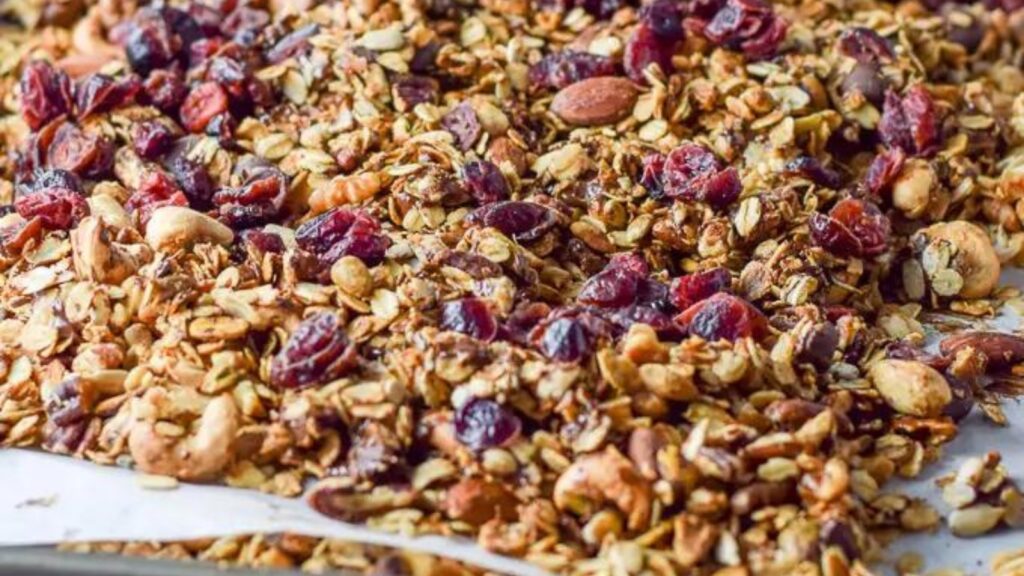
<point>45,499</point>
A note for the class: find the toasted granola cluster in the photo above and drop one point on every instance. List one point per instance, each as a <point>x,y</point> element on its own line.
<point>612,287</point>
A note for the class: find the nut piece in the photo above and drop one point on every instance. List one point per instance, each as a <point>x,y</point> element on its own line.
<point>201,456</point>
<point>345,190</point>
<point>595,101</point>
<point>99,259</point>
<point>475,501</point>
<point>174,227</point>
<point>1002,350</point>
<point>975,521</point>
<point>913,187</point>
<point>606,476</point>
<point>958,259</point>
<point>911,387</point>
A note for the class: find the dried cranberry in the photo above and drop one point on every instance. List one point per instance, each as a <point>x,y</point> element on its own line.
<point>77,151</point>
<point>165,90</point>
<point>865,45</point>
<point>482,423</point>
<point>819,345</point>
<point>693,288</point>
<point>485,182</point>
<point>662,323</point>
<point>263,242</point>
<point>523,221</point>
<point>156,190</point>
<point>602,9</point>
<point>469,316</point>
<point>560,69</point>
<point>57,208</point>
<point>230,74</point>
<point>693,173</point>
<point>747,25</point>
<point>723,317</point>
<point>15,236</point>
<point>910,122</point>
<point>475,265</point>
<point>293,44</point>
<point>521,322</point>
<point>316,353</point>
<point>343,232</point>
<point>665,18</point>
<point>852,228</point>
<point>99,93</point>
<point>222,127</point>
<point>202,104</point>
<point>610,288</point>
<point>200,52</point>
<point>151,139</point>
<point>50,178</point>
<point>45,93</point>
<point>259,201</point>
<point>463,123</point>
<point>884,169</point>
<point>812,169</point>
<point>410,91</point>
<point>646,47</point>
<point>630,261</point>
<point>149,45</point>
<point>192,178</point>
<point>565,340</point>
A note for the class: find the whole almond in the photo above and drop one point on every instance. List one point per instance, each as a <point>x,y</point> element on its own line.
<point>595,101</point>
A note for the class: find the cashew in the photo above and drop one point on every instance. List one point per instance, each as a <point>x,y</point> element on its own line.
<point>345,190</point>
<point>911,387</point>
<point>913,188</point>
<point>201,456</point>
<point>91,46</point>
<point>605,476</point>
<point>959,259</point>
<point>99,259</point>
<point>173,227</point>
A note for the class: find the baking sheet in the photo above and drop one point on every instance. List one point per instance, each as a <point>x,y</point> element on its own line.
<point>45,499</point>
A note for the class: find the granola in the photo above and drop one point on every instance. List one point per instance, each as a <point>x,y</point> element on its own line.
<point>613,287</point>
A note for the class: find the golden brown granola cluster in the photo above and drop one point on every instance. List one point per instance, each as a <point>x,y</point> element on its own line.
<point>616,288</point>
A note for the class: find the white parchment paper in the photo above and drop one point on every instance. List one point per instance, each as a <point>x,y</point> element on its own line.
<point>46,499</point>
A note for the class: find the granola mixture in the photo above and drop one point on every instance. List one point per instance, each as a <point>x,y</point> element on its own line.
<point>616,288</point>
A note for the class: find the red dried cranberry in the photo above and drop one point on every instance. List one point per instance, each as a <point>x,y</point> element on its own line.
<point>910,122</point>
<point>57,208</point>
<point>646,47</point>
<point>469,316</point>
<point>485,182</point>
<point>165,90</point>
<point>631,261</point>
<point>693,288</point>
<point>259,201</point>
<point>475,265</point>
<point>293,44</point>
<point>521,322</point>
<point>99,93</point>
<point>202,104</point>
<point>50,178</point>
<point>852,228</point>
<point>463,123</point>
<point>150,44</point>
<point>663,324</point>
<point>201,51</point>
<point>565,340</point>
<point>262,241</point>
<point>723,317</point>
<point>77,151</point>
<point>45,93</point>
<point>156,190</point>
<point>665,18</point>
<point>610,288</point>
<point>191,176</point>
<point>410,91</point>
<point>865,45</point>
<point>482,423</point>
<point>884,169</point>
<point>812,169</point>
<point>230,74</point>
<point>343,232</point>
<point>222,127</point>
<point>523,221</point>
<point>747,25</point>
<point>316,353</point>
<point>693,173</point>
<point>151,139</point>
<point>560,69</point>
